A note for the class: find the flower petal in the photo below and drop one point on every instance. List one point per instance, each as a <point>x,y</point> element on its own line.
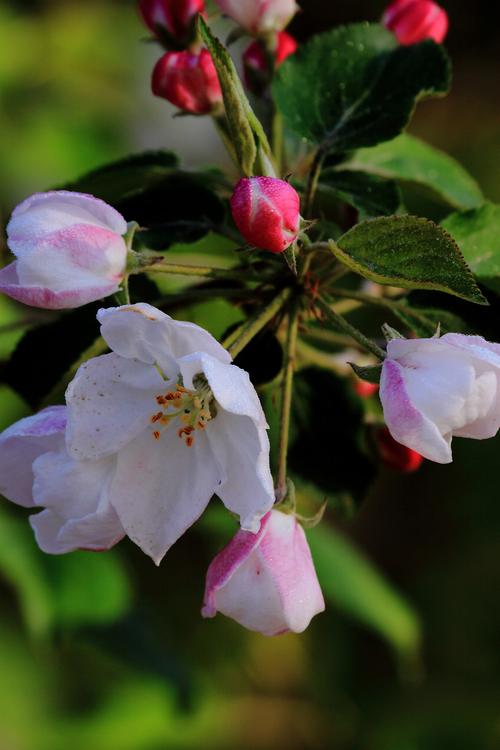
<point>241,448</point>
<point>44,213</point>
<point>143,332</point>
<point>406,423</point>
<point>161,487</point>
<point>110,401</point>
<point>227,562</point>
<point>78,513</point>
<point>21,444</point>
<point>37,296</point>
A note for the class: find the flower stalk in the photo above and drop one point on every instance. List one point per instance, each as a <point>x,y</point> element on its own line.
<point>340,322</point>
<point>286,400</point>
<point>236,342</point>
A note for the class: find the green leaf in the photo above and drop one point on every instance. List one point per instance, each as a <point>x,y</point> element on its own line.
<point>477,233</point>
<point>88,588</point>
<point>351,583</point>
<point>20,566</point>
<point>245,130</point>
<point>411,160</point>
<point>409,252</point>
<point>126,177</point>
<point>370,195</point>
<point>355,86</point>
<point>371,373</point>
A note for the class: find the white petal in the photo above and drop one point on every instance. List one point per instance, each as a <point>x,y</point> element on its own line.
<point>161,487</point>
<point>21,444</point>
<point>405,422</point>
<point>44,213</point>
<point>241,448</point>
<point>110,401</point>
<point>75,494</point>
<point>230,385</point>
<point>148,334</point>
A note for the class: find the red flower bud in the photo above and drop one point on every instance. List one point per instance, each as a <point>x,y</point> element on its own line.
<point>365,389</point>
<point>394,455</point>
<point>255,63</point>
<point>189,81</point>
<point>175,17</point>
<point>413,21</point>
<point>267,212</point>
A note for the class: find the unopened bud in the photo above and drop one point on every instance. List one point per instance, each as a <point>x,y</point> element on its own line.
<point>259,16</point>
<point>189,81</point>
<point>171,18</point>
<point>412,21</point>
<point>267,212</point>
<point>394,455</point>
<point>256,64</point>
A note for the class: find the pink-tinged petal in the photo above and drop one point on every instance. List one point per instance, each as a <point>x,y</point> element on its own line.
<point>75,257</point>
<point>266,583</point>
<point>406,424</point>
<point>225,564</point>
<point>259,16</point>
<point>161,487</point>
<point>241,448</point>
<point>111,400</point>
<point>78,513</point>
<point>189,81</point>
<point>475,346</point>
<point>37,296</point>
<point>24,442</point>
<point>44,213</point>
<point>143,332</point>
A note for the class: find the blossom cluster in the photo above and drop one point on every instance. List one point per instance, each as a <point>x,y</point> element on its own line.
<point>165,420</point>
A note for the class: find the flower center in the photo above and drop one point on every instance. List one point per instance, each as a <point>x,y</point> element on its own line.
<point>193,410</point>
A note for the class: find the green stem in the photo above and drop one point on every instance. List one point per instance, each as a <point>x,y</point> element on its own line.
<point>122,296</point>
<point>208,272</point>
<point>312,182</point>
<point>277,140</point>
<point>387,304</point>
<point>286,400</point>
<point>237,341</point>
<point>340,322</point>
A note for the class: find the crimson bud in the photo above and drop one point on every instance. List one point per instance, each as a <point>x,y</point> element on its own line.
<point>413,21</point>
<point>189,81</point>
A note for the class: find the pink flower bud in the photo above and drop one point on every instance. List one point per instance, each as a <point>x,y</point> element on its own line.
<point>175,17</point>
<point>413,21</point>
<point>69,248</point>
<point>265,581</point>
<point>259,16</point>
<point>267,212</point>
<point>255,64</point>
<point>394,455</point>
<point>189,81</point>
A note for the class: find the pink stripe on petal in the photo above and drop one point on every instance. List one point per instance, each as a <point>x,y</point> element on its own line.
<point>227,562</point>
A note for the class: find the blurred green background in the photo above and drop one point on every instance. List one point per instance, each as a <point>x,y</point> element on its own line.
<point>107,651</point>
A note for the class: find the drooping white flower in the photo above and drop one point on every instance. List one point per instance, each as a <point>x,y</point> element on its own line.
<point>434,389</point>
<point>181,422</point>
<point>69,250</point>
<point>266,581</point>
<point>36,471</point>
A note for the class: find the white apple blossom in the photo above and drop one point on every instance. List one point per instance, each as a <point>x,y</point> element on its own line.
<point>434,389</point>
<point>259,16</point>
<point>180,421</point>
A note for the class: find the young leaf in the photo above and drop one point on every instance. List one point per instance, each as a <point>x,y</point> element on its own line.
<point>410,159</point>
<point>477,233</point>
<point>246,133</point>
<point>370,195</point>
<point>409,252</point>
<point>355,86</point>
<point>351,583</point>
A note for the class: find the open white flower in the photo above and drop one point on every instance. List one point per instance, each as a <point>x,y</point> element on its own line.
<point>181,422</point>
